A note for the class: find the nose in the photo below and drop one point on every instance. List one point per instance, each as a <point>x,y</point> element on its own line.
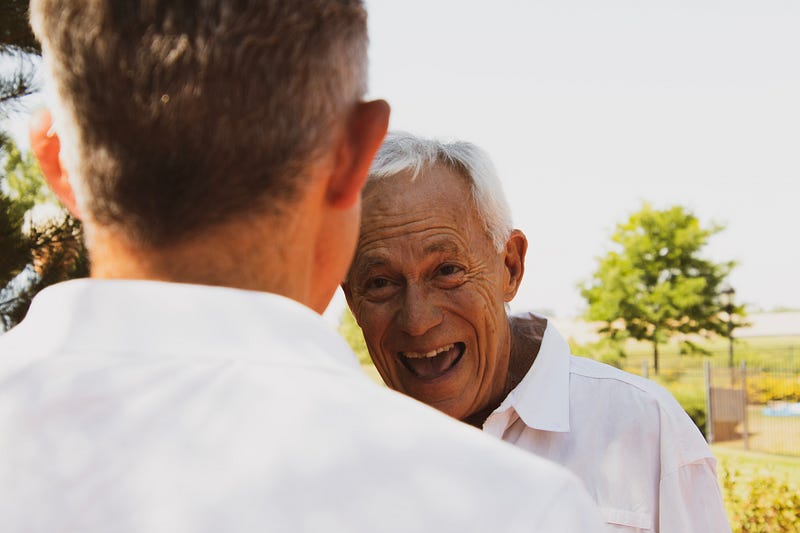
<point>419,313</point>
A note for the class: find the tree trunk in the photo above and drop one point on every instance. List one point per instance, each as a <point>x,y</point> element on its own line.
<point>655,356</point>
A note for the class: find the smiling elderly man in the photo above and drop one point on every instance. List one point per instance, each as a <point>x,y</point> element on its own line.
<point>436,263</point>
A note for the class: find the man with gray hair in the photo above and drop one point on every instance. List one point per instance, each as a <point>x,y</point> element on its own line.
<point>436,262</point>
<point>216,153</point>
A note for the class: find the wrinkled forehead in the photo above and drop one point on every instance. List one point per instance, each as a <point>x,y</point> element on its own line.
<point>431,186</point>
<point>431,211</point>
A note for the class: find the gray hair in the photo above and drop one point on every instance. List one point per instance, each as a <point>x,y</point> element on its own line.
<point>178,116</point>
<point>403,152</point>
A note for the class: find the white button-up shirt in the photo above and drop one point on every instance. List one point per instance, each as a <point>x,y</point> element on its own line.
<point>638,452</point>
<point>131,406</point>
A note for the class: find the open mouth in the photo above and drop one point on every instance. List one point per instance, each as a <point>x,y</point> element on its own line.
<point>435,363</point>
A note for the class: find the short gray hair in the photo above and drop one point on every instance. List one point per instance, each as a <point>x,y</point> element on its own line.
<point>403,152</point>
<point>177,116</point>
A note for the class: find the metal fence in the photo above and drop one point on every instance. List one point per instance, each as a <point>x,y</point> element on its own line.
<point>754,405</point>
<point>754,409</point>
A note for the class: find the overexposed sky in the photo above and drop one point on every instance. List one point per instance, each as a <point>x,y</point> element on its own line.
<point>590,108</point>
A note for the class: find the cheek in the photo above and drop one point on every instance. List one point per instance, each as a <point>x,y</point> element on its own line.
<point>481,305</point>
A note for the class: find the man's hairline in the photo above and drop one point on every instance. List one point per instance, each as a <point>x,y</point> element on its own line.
<point>414,172</point>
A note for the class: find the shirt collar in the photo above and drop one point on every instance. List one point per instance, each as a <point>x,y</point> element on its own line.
<point>152,317</point>
<point>541,399</point>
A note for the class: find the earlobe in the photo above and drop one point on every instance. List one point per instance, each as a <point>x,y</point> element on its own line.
<point>516,248</point>
<point>365,132</point>
<point>47,147</point>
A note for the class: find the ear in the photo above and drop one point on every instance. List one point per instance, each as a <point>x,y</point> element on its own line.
<point>516,248</point>
<point>47,147</point>
<point>363,136</point>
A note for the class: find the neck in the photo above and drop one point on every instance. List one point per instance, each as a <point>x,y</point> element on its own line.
<point>525,334</point>
<point>251,255</point>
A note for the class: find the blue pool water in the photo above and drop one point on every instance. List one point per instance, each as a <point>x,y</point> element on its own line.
<point>782,409</point>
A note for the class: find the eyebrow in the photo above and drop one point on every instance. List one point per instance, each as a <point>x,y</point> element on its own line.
<point>440,247</point>
<point>370,262</point>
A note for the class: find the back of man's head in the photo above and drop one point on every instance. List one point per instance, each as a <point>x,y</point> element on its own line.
<point>175,116</point>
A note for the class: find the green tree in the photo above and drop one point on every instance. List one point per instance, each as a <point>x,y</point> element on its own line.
<point>15,251</point>
<point>14,28</point>
<point>23,181</point>
<point>654,283</point>
<point>17,46</point>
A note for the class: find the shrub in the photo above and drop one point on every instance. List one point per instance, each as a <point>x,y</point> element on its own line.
<point>693,401</point>
<point>761,504</point>
<point>765,388</point>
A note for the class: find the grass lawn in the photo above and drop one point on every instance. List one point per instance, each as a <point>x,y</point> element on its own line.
<point>751,464</point>
<point>764,352</point>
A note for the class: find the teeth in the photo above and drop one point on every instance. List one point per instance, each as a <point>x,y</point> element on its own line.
<point>432,353</point>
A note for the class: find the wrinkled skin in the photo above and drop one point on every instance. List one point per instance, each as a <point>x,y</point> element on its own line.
<point>428,289</point>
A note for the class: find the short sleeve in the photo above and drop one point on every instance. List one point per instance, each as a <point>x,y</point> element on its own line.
<point>691,501</point>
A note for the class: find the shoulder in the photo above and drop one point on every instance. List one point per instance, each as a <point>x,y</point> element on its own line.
<point>641,402</point>
<point>587,371</point>
<point>467,464</point>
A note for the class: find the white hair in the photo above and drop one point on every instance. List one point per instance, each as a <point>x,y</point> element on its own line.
<point>403,152</point>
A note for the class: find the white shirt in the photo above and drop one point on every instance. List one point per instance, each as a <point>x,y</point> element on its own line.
<point>637,451</point>
<point>131,406</point>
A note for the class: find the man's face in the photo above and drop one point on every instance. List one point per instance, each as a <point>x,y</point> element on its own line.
<point>428,289</point>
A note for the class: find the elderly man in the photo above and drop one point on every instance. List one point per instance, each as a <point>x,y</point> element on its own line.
<point>216,152</point>
<point>436,262</point>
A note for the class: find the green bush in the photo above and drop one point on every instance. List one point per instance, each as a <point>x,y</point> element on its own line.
<point>765,388</point>
<point>762,504</point>
<point>605,350</point>
<point>693,401</point>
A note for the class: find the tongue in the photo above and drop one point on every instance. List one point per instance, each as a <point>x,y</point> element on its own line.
<point>433,367</point>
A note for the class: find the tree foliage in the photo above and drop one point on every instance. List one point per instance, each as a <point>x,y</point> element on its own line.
<point>655,283</point>
<point>17,43</point>
<point>14,252</point>
<point>14,28</point>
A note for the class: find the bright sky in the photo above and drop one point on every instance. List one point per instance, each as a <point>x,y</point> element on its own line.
<point>590,108</point>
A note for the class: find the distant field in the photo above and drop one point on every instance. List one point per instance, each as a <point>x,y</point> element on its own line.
<point>764,352</point>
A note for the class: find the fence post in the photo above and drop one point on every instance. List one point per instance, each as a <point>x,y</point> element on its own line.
<point>709,414</point>
<point>645,369</point>
<point>745,429</point>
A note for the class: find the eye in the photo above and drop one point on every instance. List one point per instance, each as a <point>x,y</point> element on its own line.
<point>448,270</point>
<point>449,276</point>
<point>378,288</point>
<point>376,283</point>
